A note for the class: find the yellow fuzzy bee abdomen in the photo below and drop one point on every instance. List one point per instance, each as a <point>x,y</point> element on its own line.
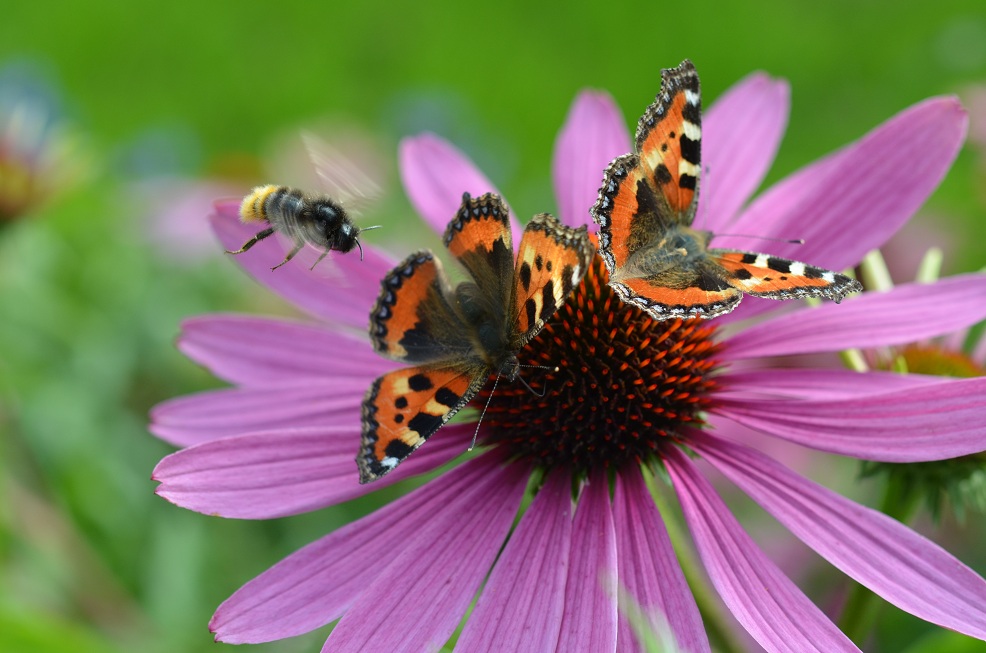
<point>252,209</point>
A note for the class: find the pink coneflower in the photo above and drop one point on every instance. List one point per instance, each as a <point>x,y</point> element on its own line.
<point>631,401</point>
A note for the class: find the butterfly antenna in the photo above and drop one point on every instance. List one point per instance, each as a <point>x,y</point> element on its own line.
<point>472,445</point>
<point>793,241</point>
<point>357,245</point>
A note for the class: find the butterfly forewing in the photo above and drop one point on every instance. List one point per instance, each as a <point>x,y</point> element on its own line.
<point>668,142</point>
<point>551,262</point>
<point>773,277</point>
<point>413,319</point>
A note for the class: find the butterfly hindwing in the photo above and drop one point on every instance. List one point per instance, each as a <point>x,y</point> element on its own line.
<point>694,291</point>
<point>405,407</point>
<point>773,277</point>
<point>551,262</point>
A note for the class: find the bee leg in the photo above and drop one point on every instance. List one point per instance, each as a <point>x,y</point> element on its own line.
<point>297,248</point>
<point>319,259</point>
<point>253,241</point>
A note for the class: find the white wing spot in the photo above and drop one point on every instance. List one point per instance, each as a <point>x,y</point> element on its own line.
<point>692,131</point>
<point>797,269</point>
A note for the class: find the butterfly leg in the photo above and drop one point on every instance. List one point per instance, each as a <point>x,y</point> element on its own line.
<point>290,255</point>
<point>253,241</point>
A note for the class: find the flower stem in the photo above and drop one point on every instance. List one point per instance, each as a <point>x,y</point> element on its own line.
<point>716,626</point>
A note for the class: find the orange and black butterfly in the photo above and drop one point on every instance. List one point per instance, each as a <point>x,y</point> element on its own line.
<point>455,338</point>
<point>645,209</point>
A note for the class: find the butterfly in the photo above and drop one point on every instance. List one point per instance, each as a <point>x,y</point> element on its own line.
<point>454,339</point>
<point>645,209</point>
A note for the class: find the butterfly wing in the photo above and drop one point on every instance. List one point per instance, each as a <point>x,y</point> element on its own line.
<point>551,262</point>
<point>405,407</point>
<point>414,321</point>
<point>650,196</point>
<point>697,290</point>
<point>668,142</point>
<point>773,277</point>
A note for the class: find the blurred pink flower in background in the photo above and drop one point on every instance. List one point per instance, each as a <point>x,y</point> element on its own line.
<point>40,156</point>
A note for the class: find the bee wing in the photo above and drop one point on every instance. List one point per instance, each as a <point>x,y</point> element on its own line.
<point>344,180</point>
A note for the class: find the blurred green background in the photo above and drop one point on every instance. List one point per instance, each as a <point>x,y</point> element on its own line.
<point>160,97</point>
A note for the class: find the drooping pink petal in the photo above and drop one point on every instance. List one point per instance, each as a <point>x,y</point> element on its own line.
<point>214,414</point>
<point>649,570</point>
<point>853,200</point>
<point>521,606</point>
<point>771,608</point>
<point>593,135</point>
<point>906,569</point>
<point>741,132</point>
<point>906,313</point>
<point>273,474</point>
<point>341,289</point>
<point>262,352</point>
<point>590,613</point>
<point>796,383</point>
<point>318,583</point>
<point>436,174</point>
<point>930,422</point>
<point>424,584</point>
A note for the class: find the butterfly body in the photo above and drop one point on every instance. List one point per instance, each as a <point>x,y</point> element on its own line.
<point>645,210</point>
<point>455,338</point>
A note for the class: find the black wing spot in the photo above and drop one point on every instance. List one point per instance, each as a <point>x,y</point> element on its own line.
<point>419,383</point>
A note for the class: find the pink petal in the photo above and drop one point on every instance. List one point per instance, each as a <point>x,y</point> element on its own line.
<point>741,132</point>
<point>930,422</point>
<point>264,352</point>
<point>649,570</point>
<point>522,605</point>
<point>320,582</point>
<point>341,289</point>
<point>771,608</point>
<point>593,135</point>
<point>273,474</point>
<point>878,183</point>
<point>424,584</point>
<point>215,414</point>
<point>436,174</point>
<point>853,200</point>
<point>911,572</point>
<point>590,612</point>
<point>875,319</point>
<point>797,383</point>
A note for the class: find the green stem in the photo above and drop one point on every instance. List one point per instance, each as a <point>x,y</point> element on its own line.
<point>716,626</point>
<point>861,610</point>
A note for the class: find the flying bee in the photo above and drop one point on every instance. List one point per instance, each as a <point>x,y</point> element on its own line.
<point>316,219</point>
